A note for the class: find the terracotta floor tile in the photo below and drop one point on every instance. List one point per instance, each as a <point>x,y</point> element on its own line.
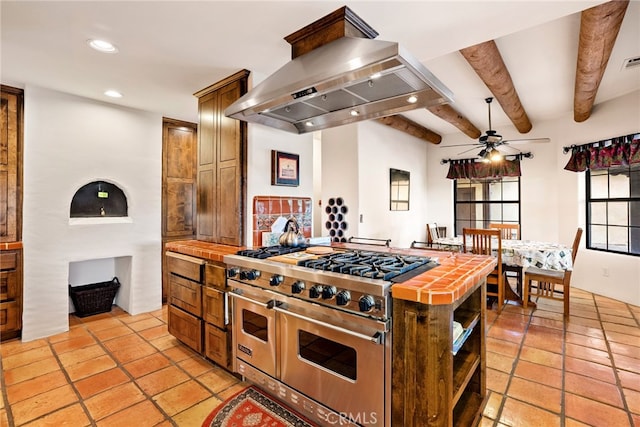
<point>636,420</point>
<point>71,416</point>
<point>153,333</point>
<point>12,347</point>
<point>593,389</point>
<point>140,415</point>
<point>520,414</point>
<point>586,341</point>
<point>73,344</point>
<point>114,400</point>
<point>232,389</point>
<point>594,413</point>
<point>541,357</point>
<point>32,370</point>
<point>100,382</point>
<point>538,373</point>
<point>622,338</point>
<point>90,367</point>
<point>505,334</point>
<point>625,350</point>
<point>196,366</point>
<point>181,397</point>
<point>26,357</point>
<point>35,386</point>
<point>569,422</point>
<point>595,332</point>
<point>493,406</point>
<point>218,380</point>
<point>104,323</point>
<point>590,369</point>
<point>71,333</point>
<point>497,381</point>
<point>506,348</point>
<point>129,340</point>
<point>544,338</point>
<point>145,324</point>
<point>164,342</point>
<point>586,353</point>
<point>146,365</point>
<point>590,323</point>
<point>137,318</point>
<point>588,314</point>
<point>44,403</point>
<point>197,413</point>
<point>629,380</point>
<point>548,323</point>
<point>622,320</point>
<point>4,419</point>
<point>80,355</point>
<point>633,400</point>
<point>134,352</point>
<point>622,329</point>
<point>159,381</point>
<point>115,332</point>
<point>627,363</point>
<point>179,353</point>
<point>499,362</point>
<point>536,394</point>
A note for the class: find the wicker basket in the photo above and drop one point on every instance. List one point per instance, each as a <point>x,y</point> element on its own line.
<point>94,298</point>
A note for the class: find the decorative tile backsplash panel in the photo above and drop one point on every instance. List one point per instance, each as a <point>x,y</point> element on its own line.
<point>267,209</point>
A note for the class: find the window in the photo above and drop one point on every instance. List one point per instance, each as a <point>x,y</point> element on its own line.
<point>613,209</point>
<point>399,190</point>
<point>478,202</point>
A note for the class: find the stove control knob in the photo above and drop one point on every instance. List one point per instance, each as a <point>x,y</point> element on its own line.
<point>276,279</point>
<point>297,287</point>
<point>250,274</point>
<point>233,272</point>
<point>343,297</point>
<point>366,303</point>
<point>315,291</point>
<point>328,292</point>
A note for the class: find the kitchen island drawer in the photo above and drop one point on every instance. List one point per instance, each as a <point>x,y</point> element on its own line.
<point>8,285</point>
<point>215,276</point>
<point>185,294</point>
<point>218,345</point>
<point>214,307</point>
<point>186,327</point>
<point>9,316</point>
<point>185,266</point>
<point>8,260</point>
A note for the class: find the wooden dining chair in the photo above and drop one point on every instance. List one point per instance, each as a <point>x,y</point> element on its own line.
<point>482,241</point>
<point>551,284</point>
<point>432,232</point>
<point>508,231</point>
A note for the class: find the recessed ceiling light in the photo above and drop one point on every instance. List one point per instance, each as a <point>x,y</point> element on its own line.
<point>102,46</point>
<point>354,113</point>
<point>113,93</point>
<point>309,124</point>
<point>412,99</point>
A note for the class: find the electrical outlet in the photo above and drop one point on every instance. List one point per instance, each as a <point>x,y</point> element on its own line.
<point>361,220</point>
<point>605,272</point>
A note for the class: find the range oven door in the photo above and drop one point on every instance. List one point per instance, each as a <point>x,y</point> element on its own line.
<point>254,330</point>
<point>336,359</point>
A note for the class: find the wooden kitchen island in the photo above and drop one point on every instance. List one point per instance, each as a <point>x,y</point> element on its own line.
<point>436,382</point>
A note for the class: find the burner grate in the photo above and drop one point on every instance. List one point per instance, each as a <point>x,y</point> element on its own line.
<point>269,251</point>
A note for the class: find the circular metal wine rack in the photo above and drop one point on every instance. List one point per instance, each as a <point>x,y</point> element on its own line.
<point>336,222</point>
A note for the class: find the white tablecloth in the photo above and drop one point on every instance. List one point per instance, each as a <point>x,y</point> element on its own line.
<point>522,253</point>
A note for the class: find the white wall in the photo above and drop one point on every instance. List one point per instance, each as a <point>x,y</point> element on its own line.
<point>68,142</point>
<point>553,199</point>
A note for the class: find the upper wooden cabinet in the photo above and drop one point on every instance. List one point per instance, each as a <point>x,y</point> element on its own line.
<point>11,165</point>
<point>179,144</point>
<point>222,159</point>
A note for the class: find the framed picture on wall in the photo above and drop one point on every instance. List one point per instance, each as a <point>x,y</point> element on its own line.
<point>285,169</point>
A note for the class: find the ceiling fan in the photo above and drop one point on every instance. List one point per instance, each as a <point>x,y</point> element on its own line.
<point>492,139</point>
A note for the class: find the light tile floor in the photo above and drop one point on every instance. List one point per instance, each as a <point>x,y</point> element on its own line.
<point>114,369</point>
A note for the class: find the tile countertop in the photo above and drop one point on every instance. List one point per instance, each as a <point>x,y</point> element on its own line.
<point>456,274</point>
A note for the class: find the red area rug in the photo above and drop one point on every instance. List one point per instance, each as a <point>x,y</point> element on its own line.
<point>251,407</point>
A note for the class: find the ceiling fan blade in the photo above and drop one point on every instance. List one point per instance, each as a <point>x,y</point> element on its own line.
<point>525,140</point>
<point>461,145</point>
<point>466,151</point>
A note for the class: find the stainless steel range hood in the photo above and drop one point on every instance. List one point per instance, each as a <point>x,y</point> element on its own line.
<point>347,80</point>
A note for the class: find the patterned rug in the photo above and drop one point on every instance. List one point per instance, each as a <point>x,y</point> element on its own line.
<point>253,408</point>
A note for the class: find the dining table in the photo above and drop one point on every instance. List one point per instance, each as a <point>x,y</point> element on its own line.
<point>520,253</point>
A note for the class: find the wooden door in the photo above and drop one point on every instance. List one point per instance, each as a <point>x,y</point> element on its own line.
<point>10,166</point>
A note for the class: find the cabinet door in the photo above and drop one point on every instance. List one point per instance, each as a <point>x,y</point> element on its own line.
<point>8,285</point>
<point>218,345</point>
<point>214,306</point>
<point>206,168</point>
<point>179,141</point>
<point>186,327</point>
<point>185,294</point>
<point>10,170</point>
<point>9,316</point>
<point>215,276</point>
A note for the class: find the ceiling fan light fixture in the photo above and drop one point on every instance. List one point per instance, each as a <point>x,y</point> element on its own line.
<point>102,46</point>
<point>495,155</point>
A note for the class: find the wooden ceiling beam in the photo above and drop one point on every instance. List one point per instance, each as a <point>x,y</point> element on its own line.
<point>410,127</point>
<point>447,113</point>
<point>599,27</point>
<point>487,62</point>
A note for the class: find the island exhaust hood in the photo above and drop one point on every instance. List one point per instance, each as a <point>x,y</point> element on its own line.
<point>346,80</point>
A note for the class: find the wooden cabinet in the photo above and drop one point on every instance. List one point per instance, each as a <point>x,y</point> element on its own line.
<point>198,306</point>
<point>11,165</point>
<point>435,382</point>
<point>10,293</point>
<point>179,166</point>
<point>222,158</point>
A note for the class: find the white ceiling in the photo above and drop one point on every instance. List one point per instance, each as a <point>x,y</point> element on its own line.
<point>169,50</point>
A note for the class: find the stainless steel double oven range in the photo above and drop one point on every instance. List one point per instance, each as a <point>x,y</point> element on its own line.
<point>315,331</point>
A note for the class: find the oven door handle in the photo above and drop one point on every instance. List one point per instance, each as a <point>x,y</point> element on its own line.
<point>376,338</point>
<point>268,304</point>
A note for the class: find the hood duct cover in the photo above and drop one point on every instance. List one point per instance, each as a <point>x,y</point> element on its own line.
<point>345,81</point>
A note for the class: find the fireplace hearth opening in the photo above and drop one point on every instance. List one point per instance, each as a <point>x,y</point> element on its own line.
<point>99,199</point>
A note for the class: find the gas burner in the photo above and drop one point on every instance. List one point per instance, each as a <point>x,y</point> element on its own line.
<point>269,251</point>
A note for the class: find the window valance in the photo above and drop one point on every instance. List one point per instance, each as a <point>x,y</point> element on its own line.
<point>472,169</point>
<point>620,151</point>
